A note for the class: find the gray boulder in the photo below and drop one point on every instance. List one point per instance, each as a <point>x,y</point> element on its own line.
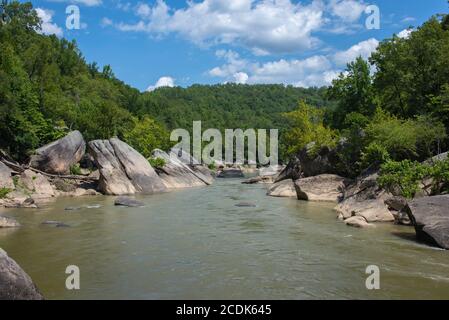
<point>37,184</point>
<point>430,217</point>
<point>58,156</point>
<point>285,189</point>
<point>15,284</point>
<point>365,198</point>
<point>123,170</point>
<point>325,187</point>
<point>5,177</point>
<point>176,174</point>
<point>128,202</point>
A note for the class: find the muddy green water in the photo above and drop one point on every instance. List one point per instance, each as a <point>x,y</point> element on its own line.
<point>196,244</point>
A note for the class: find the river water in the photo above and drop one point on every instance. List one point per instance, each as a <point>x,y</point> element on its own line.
<point>196,244</point>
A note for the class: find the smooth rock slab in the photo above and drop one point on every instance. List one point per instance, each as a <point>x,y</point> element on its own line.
<point>325,187</point>
<point>15,284</point>
<point>58,156</point>
<point>128,202</point>
<point>430,217</point>
<point>358,222</point>
<point>285,188</point>
<point>123,170</point>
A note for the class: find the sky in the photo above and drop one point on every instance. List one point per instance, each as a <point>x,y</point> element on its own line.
<point>157,43</point>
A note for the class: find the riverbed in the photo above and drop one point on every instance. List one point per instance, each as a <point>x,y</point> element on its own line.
<point>197,244</point>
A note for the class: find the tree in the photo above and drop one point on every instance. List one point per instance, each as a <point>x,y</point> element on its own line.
<point>354,92</point>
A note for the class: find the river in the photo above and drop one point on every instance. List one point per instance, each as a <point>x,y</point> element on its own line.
<point>196,244</point>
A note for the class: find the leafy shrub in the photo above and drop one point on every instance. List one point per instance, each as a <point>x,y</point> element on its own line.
<point>439,173</point>
<point>4,192</point>
<point>157,162</point>
<point>75,170</point>
<point>374,154</point>
<point>212,166</point>
<point>306,125</point>
<point>403,177</point>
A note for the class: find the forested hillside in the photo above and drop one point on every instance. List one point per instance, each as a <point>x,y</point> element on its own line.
<point>48,88</point>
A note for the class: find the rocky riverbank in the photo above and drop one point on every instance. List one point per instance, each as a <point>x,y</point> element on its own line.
<point>360,202</point>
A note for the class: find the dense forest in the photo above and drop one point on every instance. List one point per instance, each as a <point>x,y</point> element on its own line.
<point>392,110</point>
<point>48,88</point>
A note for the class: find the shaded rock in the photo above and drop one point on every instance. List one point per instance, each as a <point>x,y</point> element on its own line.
<point>5,177</point>
<point>123,170</point>
<point>15,284</point>
<point>203,173</point>
<point>285,188</point>
<point>246,205</point>
<point>63,185</point>
<point>37,184</point>
<point>6,222</point>
<point>259,180</point>
<point>58,156</point>
<point>396,206</point>
<point>176,174</point>
<point>230,173</point>
<point>128,202</point>
<point>291,172</point>
<point>325,187</point>
<point>365,198</point>
<point>430,217</point>
<point>358,222</point>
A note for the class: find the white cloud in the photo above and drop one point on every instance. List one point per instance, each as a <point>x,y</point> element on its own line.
<point>105,22</point>
<point>89,3</point>
<point>405,34</point>
<point>162,82</point>
<point>47,26</point>
<point>269,26</point>
<point>363,49</point>
<point>347,10</point>
<point>317,70</point>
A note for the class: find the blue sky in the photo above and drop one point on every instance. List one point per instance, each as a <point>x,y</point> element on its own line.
<point>174,42</point>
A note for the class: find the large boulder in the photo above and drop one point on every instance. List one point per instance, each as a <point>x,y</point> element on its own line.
<point>58,156</point>
<point>37,184</point>
<point>123,170</point>
<point>5,177</point>
<point>230,173</point>
<point>285,188</point>
<point>366,199</point>
<point>176,174</point>
<point>291,172</point>
<point>325,187</point>
<point>430,217</point>
<point>15,284</point>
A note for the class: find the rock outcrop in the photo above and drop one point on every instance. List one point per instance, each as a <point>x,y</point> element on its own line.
<point>58,156</point>
<point>366,199</point>
<point>430,217</point>
<point>5,177</point>
<point>325,187</point>
<point>128,202</point>
<point>15,284</point>
<point>285,189</point>
<point>123,170</point>
<point>176,174</point>
<point>37,184</point>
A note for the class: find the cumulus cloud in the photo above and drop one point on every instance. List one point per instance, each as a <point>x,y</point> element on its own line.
<point>269,26</point>
<point>105,22</point>
<point>162,82</point>
<point>363,49</point>
<point>405,34</point>
<point>47,26</point>
<point>89,3</point>
<point>317,70</point>
<point>347,10</point>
